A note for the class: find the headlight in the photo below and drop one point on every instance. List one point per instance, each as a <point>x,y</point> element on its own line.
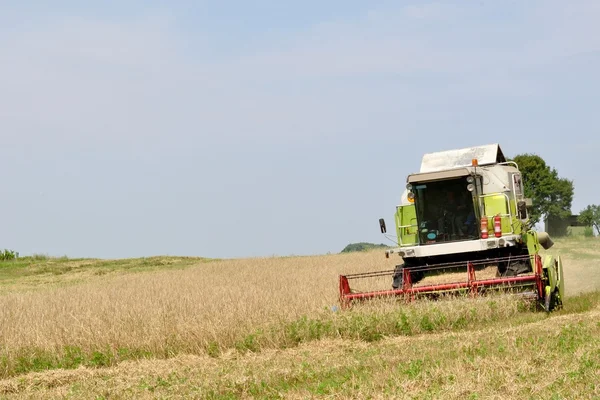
<point>470,179</point>
<point>470,187</point>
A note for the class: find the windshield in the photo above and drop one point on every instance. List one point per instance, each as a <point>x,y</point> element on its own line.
<point>445,211</point>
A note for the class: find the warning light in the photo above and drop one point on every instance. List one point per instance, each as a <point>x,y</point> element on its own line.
<point>474,162</point>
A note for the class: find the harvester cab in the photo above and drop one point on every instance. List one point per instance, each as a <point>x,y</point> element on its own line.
<point>465,213</point>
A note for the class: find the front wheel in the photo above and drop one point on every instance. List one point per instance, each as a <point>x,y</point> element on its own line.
<point>397,280</point>
<point>552,300</point>
<point>513,268</point>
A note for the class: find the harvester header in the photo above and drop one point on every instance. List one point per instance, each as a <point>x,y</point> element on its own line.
<point>465,211</point>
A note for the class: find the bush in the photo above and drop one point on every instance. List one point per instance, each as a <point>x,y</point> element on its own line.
<point>6,255</point>
<point>362,246</point>
<point>588,231</point>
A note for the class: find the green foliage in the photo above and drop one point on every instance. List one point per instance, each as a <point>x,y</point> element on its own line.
<point>588,231</point>
<point>213,349</point>
<point>36,359</point>
<point>363,246</point>
<point>6,255</point>
<point>248,343</point>
<point>550,194</point>
<point>591,217</point>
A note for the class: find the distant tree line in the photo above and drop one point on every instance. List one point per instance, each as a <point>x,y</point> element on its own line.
<point>363,246</point>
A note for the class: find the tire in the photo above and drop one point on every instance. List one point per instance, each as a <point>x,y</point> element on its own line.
<point>397,279</point>
<point>397,282</point>
<point>514,269</point>
<point>552,301</point>
<point>548,301</point>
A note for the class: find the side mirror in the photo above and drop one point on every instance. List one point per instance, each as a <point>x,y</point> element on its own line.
<point>522,209</point>
<point>382,225</point>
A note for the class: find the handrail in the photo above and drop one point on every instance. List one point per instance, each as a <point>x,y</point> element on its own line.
<point>400,227</point>
<point>405,226</point>
<point>509,162</point>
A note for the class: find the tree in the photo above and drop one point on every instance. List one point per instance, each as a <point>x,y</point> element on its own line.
<point>362,246</point>
<point>550,194</point>
<point>591,216</point>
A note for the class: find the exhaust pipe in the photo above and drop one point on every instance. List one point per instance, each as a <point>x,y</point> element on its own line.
<point>545,240</point>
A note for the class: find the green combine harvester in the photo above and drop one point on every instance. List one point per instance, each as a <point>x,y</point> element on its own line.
<point>465,212</point>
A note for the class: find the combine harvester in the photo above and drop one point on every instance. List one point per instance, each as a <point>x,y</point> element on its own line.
<point>465,214</point>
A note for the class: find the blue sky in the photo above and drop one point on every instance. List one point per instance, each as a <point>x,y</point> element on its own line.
<point>233,129</point>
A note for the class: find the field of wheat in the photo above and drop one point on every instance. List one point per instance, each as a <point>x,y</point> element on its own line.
<point>173,310</point>
<point>88,316</point>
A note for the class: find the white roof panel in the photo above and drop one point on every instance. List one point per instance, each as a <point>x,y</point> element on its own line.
<point>487,154</point>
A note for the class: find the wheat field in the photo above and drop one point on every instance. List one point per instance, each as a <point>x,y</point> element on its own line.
<point>186,310</point>
<point>211,309</point>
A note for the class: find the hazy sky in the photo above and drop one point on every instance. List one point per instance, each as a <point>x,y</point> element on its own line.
<point>232,129</point>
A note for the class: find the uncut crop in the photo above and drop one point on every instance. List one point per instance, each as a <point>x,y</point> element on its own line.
<point>161,313</point>
<point>230,305</point>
